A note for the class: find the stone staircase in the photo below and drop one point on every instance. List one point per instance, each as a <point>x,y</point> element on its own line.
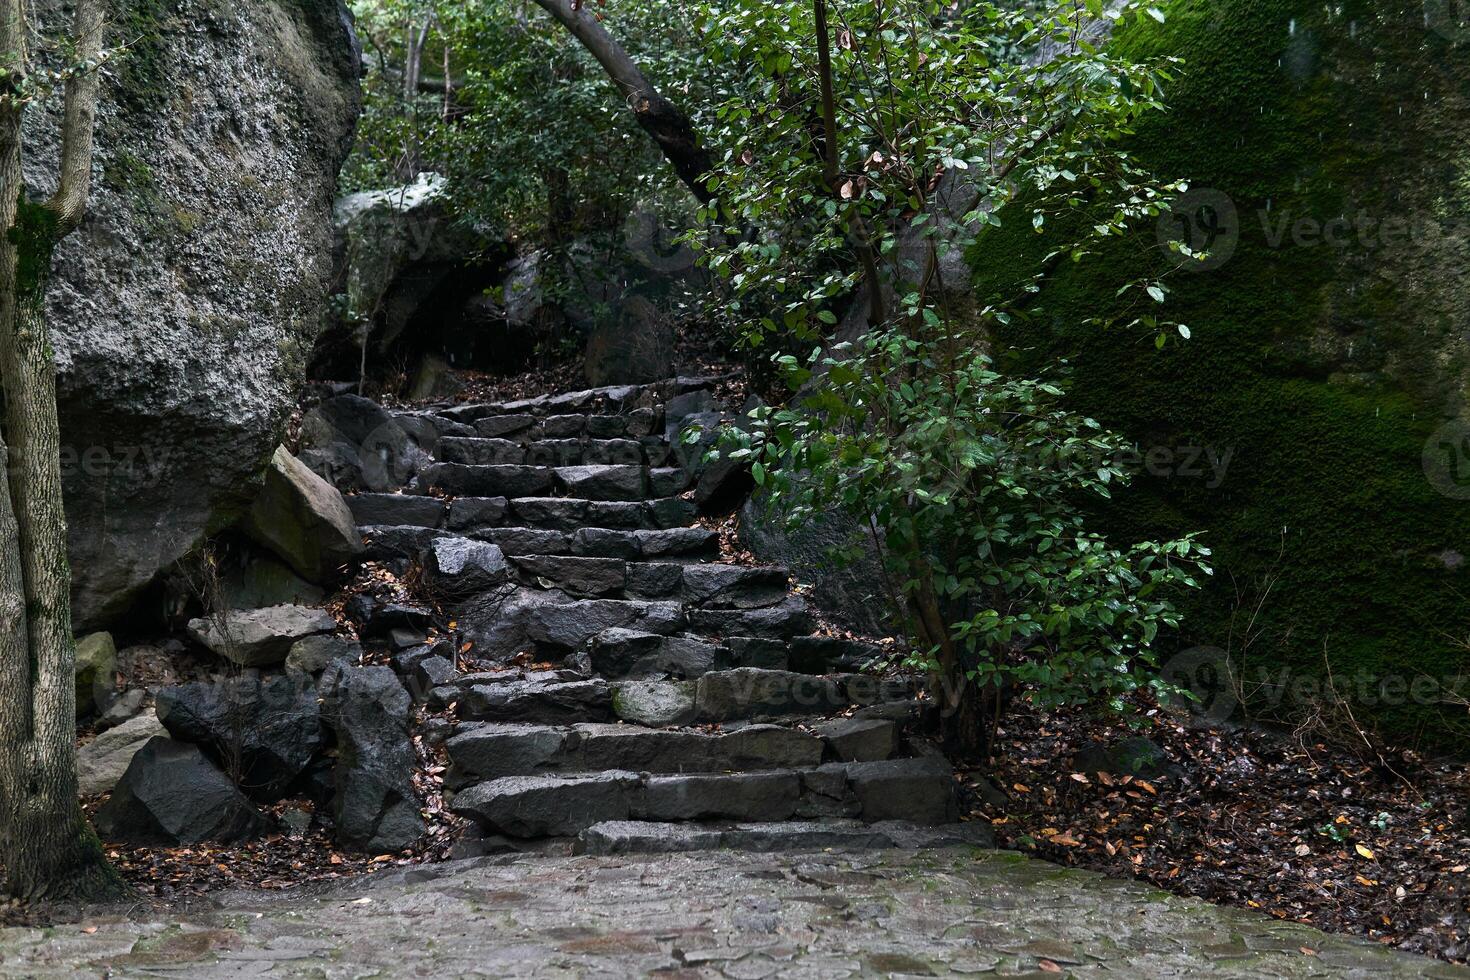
<point>647,696</point>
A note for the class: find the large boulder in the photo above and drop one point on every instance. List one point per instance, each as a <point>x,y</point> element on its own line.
<point>171,794</point>
<point>269,729</point>
<point>259,637</point>
<point>185,306</point>
<point>402,252</point>
<point>102,761</point>
<point>356,444</point>
<point>303,519</point>
<point>375,806</point>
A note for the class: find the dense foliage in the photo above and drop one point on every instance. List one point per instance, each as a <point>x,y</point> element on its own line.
<point>863,148</point>
<point>970,484</point>
<point>844,149</point>
<point>534,138</point>
<point>1302,424</point>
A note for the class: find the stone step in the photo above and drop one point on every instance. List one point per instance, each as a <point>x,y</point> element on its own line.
<point>474,515</point>
<point>672,543</point>
<point>712,584</point>
<point>546,699</point>
<point>614,399</point>
<point>630,654</point>
<point>789,618</point>
<point>552,624</point>
<point>640,837</point>
<point>571,514</point>
<point>919,790</point>
<point>481,451</point>
<point>487,751</point>
<point>602,482</point>
<point>618,399</point>
<point>751,693</point>
<point>403,510</point>
<point>638,423</point>
<point>678,545</point>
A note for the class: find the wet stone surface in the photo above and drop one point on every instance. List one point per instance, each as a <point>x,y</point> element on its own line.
<point>720,915</point>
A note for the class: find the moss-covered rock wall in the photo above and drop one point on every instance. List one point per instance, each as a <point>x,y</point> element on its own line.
<point>1311,427</point>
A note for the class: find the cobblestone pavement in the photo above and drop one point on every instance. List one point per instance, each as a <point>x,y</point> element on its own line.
<point>934,913</point>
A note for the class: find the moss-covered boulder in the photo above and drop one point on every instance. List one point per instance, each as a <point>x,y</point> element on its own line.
<point>95,666</point>
<point>1313,425</point>
<point>185,306</point>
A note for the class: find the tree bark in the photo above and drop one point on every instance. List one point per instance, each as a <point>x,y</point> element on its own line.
<point>665,122</point>
<point>49,851</point>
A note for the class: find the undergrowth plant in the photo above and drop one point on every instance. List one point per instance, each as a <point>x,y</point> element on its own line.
<point>972,486</point>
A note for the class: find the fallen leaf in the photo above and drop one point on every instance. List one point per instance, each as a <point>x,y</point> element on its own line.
<point>1364,852</point>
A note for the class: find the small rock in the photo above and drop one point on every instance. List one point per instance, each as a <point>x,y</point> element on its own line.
<point>375,807</point>
<point>297,821</point>
<point>171,794</point>
<point>462,568</point>
<point>123,707</point>
<point>312,654</point>
<point>102,761</point>
<point>269,729</point>
<point>95,667</point>
<point>656,704</point>
<point>260,637</point>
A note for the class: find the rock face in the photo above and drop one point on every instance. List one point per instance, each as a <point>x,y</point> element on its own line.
<point>401,252</point>
<point>1335,408</point>
<point>303,519</point>
<point>172,794</point>
<point>185,307</point>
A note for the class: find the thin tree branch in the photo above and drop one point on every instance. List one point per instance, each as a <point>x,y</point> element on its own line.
<point>78,132</point>
<point>665,122</point>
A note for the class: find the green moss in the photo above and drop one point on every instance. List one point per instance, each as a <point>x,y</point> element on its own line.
<point>35,236</point>
<point>142,67</point>
<point>1322,370</point>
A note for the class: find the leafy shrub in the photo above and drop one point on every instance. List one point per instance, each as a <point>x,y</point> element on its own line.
<point>971,484</point>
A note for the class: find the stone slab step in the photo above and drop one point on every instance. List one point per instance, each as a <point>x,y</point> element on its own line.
<point>543,700</point>
<point>639,837</point>
<point>611,398</point>
<point>605,482</point>
<point>480,451</point>
<point>668,544</point>
<point>638,423</point>
<point>402,510</point>
<point>918,790</point>
<point>492,751</point>
<point>751,693</point>
<point>711,584</point>
<point>617,398</point>
<point>785,620</point>
<point>570,513</point>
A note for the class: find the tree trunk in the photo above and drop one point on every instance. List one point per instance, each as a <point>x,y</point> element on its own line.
<point>658,117</point>
<point>48,849</point>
